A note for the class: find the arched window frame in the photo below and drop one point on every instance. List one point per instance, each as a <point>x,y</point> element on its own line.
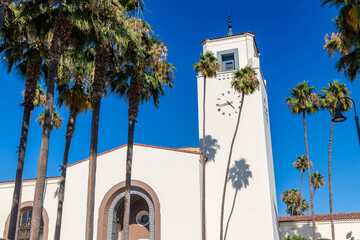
<point>24,207</point>
<point>110,197</point>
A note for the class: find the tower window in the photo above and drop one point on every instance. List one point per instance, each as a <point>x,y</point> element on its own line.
<point>229,59</point>
<point>228,62</point>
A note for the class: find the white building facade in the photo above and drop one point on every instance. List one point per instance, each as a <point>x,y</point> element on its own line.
<point>347,226</point>
<point>166,186</point>
<point>165,203</point>
<point>250,199</point>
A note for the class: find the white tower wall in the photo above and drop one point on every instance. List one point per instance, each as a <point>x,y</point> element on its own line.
<point>254,213</point>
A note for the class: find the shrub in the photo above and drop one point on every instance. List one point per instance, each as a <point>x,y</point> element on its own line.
<point>295,238</point>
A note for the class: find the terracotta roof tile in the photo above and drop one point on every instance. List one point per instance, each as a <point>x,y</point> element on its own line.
<point>239,34</point>
<point>320,217</point>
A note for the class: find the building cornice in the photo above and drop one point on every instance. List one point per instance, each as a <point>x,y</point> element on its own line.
<point>232,37</point>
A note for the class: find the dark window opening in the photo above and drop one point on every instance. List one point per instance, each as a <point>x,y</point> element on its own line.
<point>228,62</point>
<point>25,226</point>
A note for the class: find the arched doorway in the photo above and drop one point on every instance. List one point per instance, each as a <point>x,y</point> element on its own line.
<point>144,213</point>
<point>141,217</point>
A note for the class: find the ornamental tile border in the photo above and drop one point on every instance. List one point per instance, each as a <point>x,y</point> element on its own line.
<point>112,214</point>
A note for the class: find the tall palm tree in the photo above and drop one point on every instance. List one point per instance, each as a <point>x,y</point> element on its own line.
<point>302,164</point>
<point>304,101</point>
<point>141,78</point>
<point>246,83</point>
<point>67,14</point>
<point>207,66</point>
<point>110,30</point>
<point>74,78</point>
<point>23,50</point>
<point>317,181</point>
<point>328,100</point>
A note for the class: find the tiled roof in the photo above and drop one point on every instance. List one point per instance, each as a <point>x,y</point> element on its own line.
<point>111,150</point>
<point>229,36</point>
<point>320,217</point>
<point>141,145</point>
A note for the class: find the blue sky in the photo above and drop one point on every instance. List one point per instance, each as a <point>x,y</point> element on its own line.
<point>289,36</point>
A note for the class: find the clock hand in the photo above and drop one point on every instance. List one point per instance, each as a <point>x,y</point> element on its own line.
<point>231,104</point>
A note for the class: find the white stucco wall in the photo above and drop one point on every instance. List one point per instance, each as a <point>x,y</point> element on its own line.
<point>174,176</point>
<point>255,205</point>
<point>344,230</point>
<point>50,201</point>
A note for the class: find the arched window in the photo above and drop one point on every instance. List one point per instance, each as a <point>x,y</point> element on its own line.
<point>25,225</point>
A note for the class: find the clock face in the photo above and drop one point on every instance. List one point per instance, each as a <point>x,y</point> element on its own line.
<point>228,103</point>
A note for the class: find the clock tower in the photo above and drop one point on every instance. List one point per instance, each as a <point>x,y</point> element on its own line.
<point>250,200</point>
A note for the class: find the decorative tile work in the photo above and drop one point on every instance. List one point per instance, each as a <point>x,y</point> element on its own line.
<point>229,75</point>
<point>112,214</point>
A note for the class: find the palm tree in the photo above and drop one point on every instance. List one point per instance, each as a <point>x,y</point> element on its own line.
<point>23,50</point>
<point>110,31</point>
<point>66,15</point>
<point>4,5</point>
<point>346,41</point>
<point>328,100</point>
<point>351,14</point>
<point>291,198</point>
<point>207,66</point>
<point>317,181</point>
<point>304,101</point>
<point>141,78</point>
<point>304,207</point>
<point>56,120</point>
<point>74,77</point>
<point>246,83</point>
<point>302,164</point>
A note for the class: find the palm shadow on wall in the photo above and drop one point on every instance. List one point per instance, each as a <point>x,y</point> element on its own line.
<point>304,231</point>
<point>211,147</point>
<point>239,175</point>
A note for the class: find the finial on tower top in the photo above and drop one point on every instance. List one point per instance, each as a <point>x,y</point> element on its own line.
<point>230,27</point>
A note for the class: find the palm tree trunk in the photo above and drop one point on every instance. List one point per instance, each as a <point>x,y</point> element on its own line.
<point>227,169</point>
<point>203,223</point>
<point>42,167</point>
<point>309,178</point>
<point>69,134</point>
<point>231,212</point>
<point>134,101</point>
<point>3,8</point>
<point>301,184</point>
<point>61,34</point>
<point>330,184</point>
<point>101,68</point>
<point>32,77</point>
